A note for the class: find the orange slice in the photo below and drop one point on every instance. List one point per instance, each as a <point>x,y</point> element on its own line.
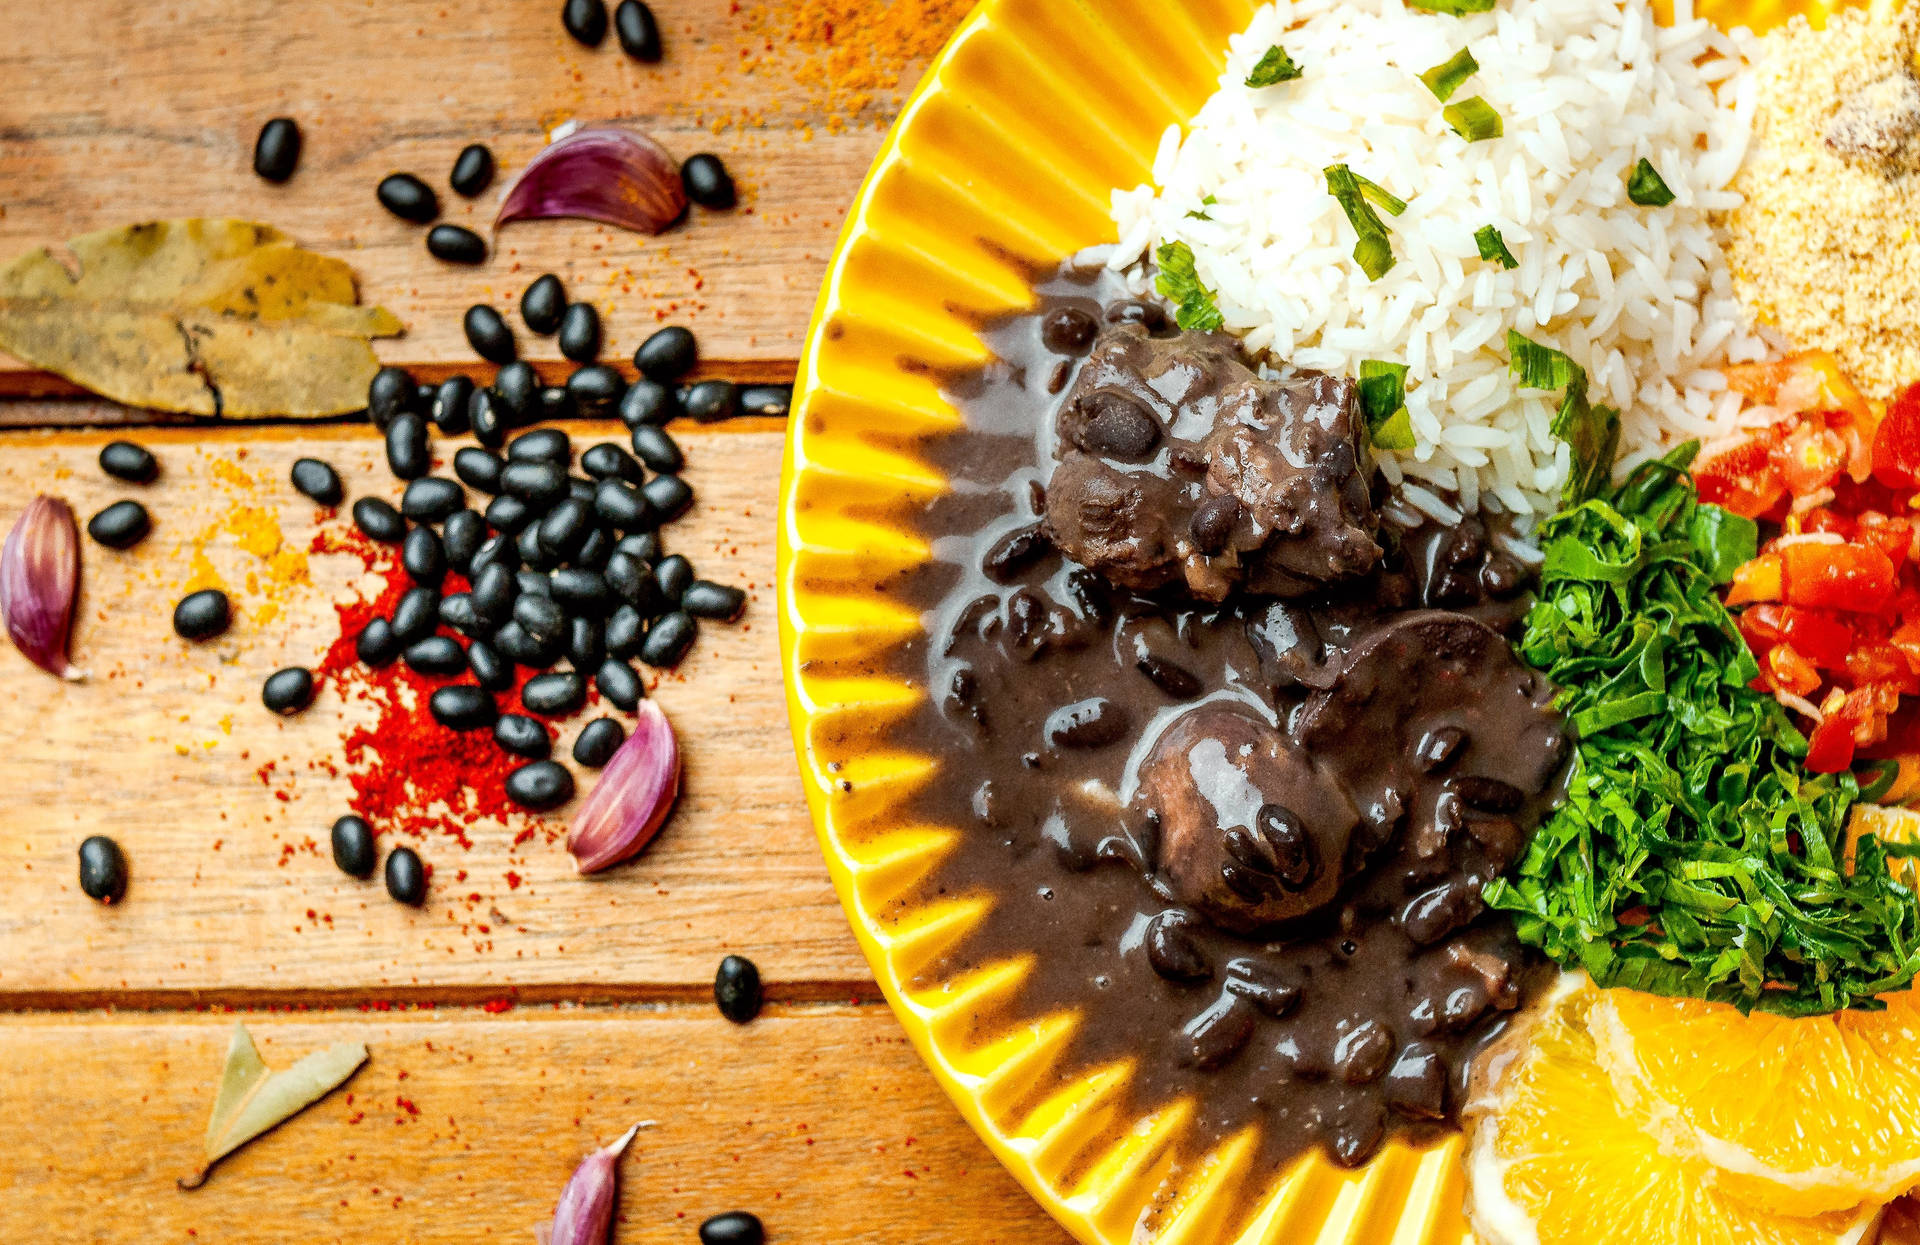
<point>1554,1159</point>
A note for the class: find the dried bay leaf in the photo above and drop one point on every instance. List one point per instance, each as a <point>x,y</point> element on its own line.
<point>210,317</point>
<point>253,1098</point>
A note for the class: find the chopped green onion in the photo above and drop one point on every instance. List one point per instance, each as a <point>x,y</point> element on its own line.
<point>1372,249</point>
<point>1274,68</point>
<point>1540,367</point>
<point>1383,404</point>
<point>1444,79</point>
<point>1179,282</point>
<point>1452,8</point>
<point>1200,213</point>
<point>1646,187</point>
<point>1592,433</point>
<point>1494,247</point>
<point>1473,119</point>
<point>1379,197</point>
<point>1396,433</point>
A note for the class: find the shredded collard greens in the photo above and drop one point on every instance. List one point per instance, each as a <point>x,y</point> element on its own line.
<point>1180,284</point>
<point>1693,856</point>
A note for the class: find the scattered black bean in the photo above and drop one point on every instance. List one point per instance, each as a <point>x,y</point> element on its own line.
<point>668,495</point>
<point>648,402</point>
<point>202,615</point>
<point>462,708</point>
<point>533,555</point>
<point>667,355</point>
<point>736,989</point>
<point>585,646</point>
<point>1095,722</point>
<point>406,876</point>
<point>490,669</point>
<point>494,551</point>
<point>534,583</point>
<point>673,574</point>
<point>472,170</point>
<point>711,401</point>
<point>390,392</point>
<point>638,33</point>
<point>523,736</point>
<point>580,333</point>
<point>583,589</point>
<point>585,20</point>
<point>488,334</point>
<point>607,461</point>
<point>407,455</point>
<point>417,615</point>
<point>288,691</point>
<point>538,483</point>
<point>317,480</point>
<point>432,499</point>
<point>642,545</point>
<point>424,557</point>
<point>554,402</point>
<point>540,785</point>
<point>625,630</point>
<point>554,695</point>
<point>456,611</point>
<point>543,304</point>
<point>516,389</point>
<point>463,533</point>
<point>452,406</point>
<point>1175,681</point>
<point>507,513</point>
<point>354,851</point>
<point>378,520</point>
<point>624,506</point>
<point>668,640</point>
<point>437,654</point>
<point>123,460</point>
<point>488,417</point>
<point>705,599</point>
<point>103,869</point>
<point>377,644</point>
<point>736,1227</point>
<point>619,683</point>
<point>596,389</point>
<point>409,198</point>
<point>1172,951</point>
<point>479,468</point>
<point>517,645</point>
<point>656,449</point>
<point>707,181</point>
<point>766,399</point>
<point>630,579</point>
<point>276,153</point>
<point>598,741</point>
<point>456,245</point>
<point>121,525</point>
<point>493,592</point>
<point>565,526</point>
<point>580,489</point>
<point>542,445</point>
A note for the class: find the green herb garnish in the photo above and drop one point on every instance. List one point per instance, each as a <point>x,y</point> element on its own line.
<point>1494,247</point>
<point>1200,212</point>
<point>1540,367</point>
<point>1693,856</point>
<point>1473,119</point>
<point>1646,187</point>
<point>1274,68</point>
<point>1179,283</point>
<point>1383,404</point>
<point>1452,8</point>
<point>1372,249</point>
<point>1592,433</point>
<point>1445,78</point>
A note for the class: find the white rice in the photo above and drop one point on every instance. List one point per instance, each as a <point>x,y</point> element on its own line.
<point>1638,296</point>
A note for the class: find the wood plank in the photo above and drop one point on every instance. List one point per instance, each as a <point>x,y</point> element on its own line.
<point>117,113</point>
<point>234,894</point>
<point>463,1127</point>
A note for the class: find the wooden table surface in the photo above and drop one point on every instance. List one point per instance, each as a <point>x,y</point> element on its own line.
<point>523,1016</point>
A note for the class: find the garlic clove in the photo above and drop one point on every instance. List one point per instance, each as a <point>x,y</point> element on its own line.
<point>636,791</point>
<point>39,581</point>
<point>599,173</point>
<point>585,1211</point>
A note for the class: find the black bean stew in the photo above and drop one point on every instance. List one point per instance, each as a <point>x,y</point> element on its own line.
<point>1232,776</point>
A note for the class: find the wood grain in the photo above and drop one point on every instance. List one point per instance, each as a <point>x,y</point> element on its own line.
<point>116,113</point>
<point>234,894</point>
<point>464,1127</point>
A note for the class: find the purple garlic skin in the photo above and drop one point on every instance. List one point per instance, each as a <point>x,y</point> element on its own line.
<point>39,581</point>
<point>586,1205</point>
<point>599,173</point>
<point>636,791</point>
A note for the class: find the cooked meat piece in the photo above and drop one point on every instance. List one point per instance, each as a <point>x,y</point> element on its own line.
<point>1253,833</point>
<point>1878,124</point>
<point>1178,465</point>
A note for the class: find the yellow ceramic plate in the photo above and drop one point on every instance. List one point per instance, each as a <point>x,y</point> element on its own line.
<point>1004,160</point>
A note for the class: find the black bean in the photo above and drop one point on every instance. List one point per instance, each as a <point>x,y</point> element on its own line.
<point>542,445</point>
<point>124,460</point>
<point>711,401</point>
<point>534,583</point>
<point>540,785</point>
<point>585,647</point>
<point>1172,951</point>
<point>1262,985</point>
<point>437,654</point>
<point>424,557</point>
<point>462,708</point>
<point>515,643</point>
<point>488,417</point>
<point>456,245</point>
<point>1068,330</point>
<point>666,356</point>
<point>538,483</point>
<point>456,611</point>
<point>121,525</point>
<point>619,683</point>
<point>276,153</point>
<point>554,403</point>
<point>490,669</point>
<point>463,533</point>
<point>432,499</point>
<point>378,520</point>
<point>766,399</point>
<point>472,170</point>
<point>648,402</point>
<point>523,736</point>
<point>488,334</point>
<point>507,513</point>
<point>1217,1035</point>
<point>452,407</point>
<point>390,392</point>
<point>607,461</point>
<point>1213,522</point>
<point>406,876</point>
<point>417,615</point>
<point>1362,1054</point>
<point>354,851</point>
<point>377,644</point>
<point>543,304</point>
<point>493,593</point>
<point>1094,722</point>
<point>585,20</point>
<point>706,599</point>
<point>542,617</point>
<point>668,495</point>
<point>1136,311</point>
<point>407,455</point>
<point>673,574</point>
<point>668,640</point>
<point>638,33</point>
<point>579,337</point>
<point>580,489</point>
<point>494,551</point>
<point>1014,552</point>
<point>598,741</point>
<point>554,695</point>
<point>565,526</point>
<point>630,579</point>
<point>1416,1085</point>
<point>1437,747</point>
<point>479,468</point>
<point>642,545</point>
<point>407,197</point>
<point>103,869</point>
<point>534,555</point>
<point>1175,681</point>
<point>736,1227</point>
<point>288,691</point>
<point>624,506</point>
<point>202,615</point>
<point>707,181</point>
<point>582,589</point>
<point>318,481</point>
<point>1487,794</point>
<point>596,389</point>
<point>625,630</point>
<point>422,397</point>
<point>736,989</point>
<point>1433,914</point>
